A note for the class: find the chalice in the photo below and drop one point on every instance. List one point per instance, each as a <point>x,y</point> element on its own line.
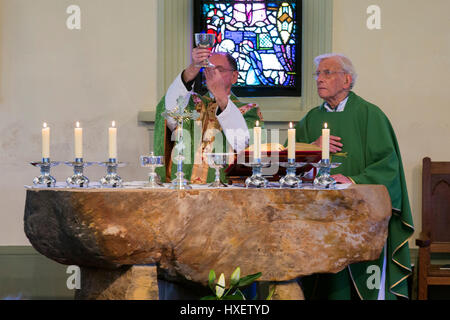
<point>218,161</point>
<point>205,41</point>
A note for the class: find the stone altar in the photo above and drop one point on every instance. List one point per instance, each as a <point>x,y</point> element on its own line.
<point>283,233</point>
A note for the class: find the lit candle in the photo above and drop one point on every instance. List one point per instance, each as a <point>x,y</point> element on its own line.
<point>291,142</point>
<point>257,141</point>
<point>112,141</point>
<point>78,141</point>
<point>325,142</point>
<point>45,141</point>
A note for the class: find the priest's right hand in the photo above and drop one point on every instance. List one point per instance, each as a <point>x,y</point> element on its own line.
<point>335,145</point>
<point>198,56</point>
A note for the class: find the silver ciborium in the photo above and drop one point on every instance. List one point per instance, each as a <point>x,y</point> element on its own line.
<point>323,178</point>
<point>151,161</point>
<point>78,179</point>
<point>290,180</point>
<point>45,179</point>
<point>111,179</point>
<point>218,161</point>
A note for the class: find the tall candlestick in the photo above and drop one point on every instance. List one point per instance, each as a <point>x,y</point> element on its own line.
<point>112,134</point>
<point>325,142</point>
<point>257,141</point>
<point>45,141</point>
<point>78,141</point>
<point>291,142</point>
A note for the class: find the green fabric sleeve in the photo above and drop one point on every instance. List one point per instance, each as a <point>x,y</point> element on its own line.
<point>159,136</point>
<point>381,149</point>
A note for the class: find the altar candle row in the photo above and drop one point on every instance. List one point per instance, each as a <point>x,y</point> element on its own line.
<point>78,141</point>
<point>291,142</point>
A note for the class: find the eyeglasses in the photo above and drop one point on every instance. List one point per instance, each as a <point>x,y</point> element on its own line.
<point>325,73</point>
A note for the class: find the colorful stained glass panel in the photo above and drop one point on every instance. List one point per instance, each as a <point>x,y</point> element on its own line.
<point>263,37</point>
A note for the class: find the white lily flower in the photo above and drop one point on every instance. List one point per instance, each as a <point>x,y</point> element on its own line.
<point>220,288</point>
<point>235,276</point>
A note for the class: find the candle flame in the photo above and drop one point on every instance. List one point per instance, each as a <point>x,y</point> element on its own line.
<point>290,125</point>
<point>77,124</point>
<point>113,124</point>
<point>44,125</point>
<point>257,123</point>
<point>325,125</point>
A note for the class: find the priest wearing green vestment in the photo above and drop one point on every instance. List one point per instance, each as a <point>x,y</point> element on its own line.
<point>366,145</point>
<point>224,123</point>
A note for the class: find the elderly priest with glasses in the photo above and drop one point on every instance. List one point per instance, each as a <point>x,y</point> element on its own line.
<point>367,147</point>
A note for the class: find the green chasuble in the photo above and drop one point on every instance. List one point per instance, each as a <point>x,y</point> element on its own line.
<point>200,136</point>
<point>373,157</point>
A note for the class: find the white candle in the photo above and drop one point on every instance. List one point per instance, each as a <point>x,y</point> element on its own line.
<point>325,142</point>
<point>112,134</point>
<point>45,141</point>
<point>257,141</point>
<point>291,142</point>
<point>78,141</point>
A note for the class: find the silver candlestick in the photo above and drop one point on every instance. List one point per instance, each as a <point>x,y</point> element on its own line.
<point>290,180</point>
<point>78,180</point>
<point>151,161</point>
<point>257,180</point>
<point>111,179</point>
<point>45,179</point>
<point>323,178</point>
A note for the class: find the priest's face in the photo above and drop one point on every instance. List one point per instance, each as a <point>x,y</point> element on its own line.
<point>229,76</point>
<point>333,83</point>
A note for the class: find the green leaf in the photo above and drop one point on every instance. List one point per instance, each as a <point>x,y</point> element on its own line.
<point>209,298</point>
<point>271,292</point>
<point>235,276</point>
<point>212,278</point>
<point>239,292</point>
<point>233,297</point>
<point>245,281</point>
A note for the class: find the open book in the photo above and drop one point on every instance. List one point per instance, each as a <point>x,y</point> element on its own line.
<point>274,147</point>
<point>274,153</point>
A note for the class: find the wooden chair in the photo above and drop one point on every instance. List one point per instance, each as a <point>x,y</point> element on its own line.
<point>435,235</point>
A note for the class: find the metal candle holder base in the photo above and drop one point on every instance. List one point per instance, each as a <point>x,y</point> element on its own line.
<point>78,180</point>
<point>180,183</point>
<point>290,180</point>
<point>323,178</point>
<point>45,179</point>
<point>257,180</point>
<point>153,162</point>
<point>111,179</point>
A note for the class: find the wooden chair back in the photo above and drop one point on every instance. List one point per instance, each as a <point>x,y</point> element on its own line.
<point>436,204</point>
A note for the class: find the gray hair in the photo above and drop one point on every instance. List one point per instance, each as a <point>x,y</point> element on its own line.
<point>346,64</point>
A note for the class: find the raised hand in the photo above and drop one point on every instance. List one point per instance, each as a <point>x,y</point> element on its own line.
<point>198,56</point>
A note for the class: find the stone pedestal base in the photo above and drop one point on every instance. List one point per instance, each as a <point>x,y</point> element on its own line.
<point>127,283</point>
<point>287,290</point>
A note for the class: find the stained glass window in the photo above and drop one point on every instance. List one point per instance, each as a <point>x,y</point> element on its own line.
<point>264,38</point>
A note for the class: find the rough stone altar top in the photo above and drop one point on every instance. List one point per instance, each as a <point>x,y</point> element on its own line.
<point>283,233</point>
